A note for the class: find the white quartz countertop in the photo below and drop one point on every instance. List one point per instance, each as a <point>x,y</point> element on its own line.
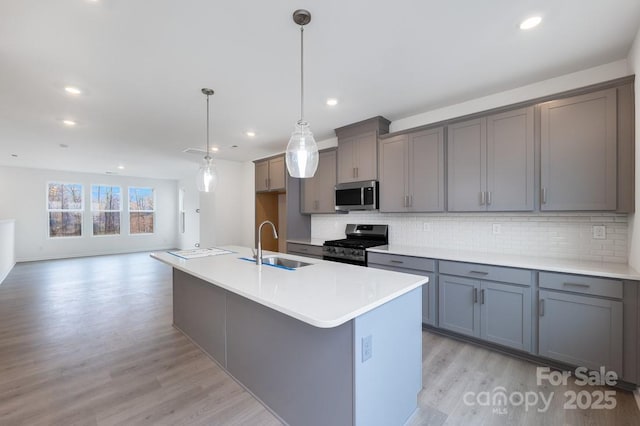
<point>309,241</point>
<point>324,294</point>
<point>599,269</point>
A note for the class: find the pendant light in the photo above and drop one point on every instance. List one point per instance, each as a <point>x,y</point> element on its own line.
<point>302,150</point>
<point>207,175</point>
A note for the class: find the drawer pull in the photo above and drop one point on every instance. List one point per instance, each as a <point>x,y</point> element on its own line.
<point>397,261</point>
<point>577,285</point>
<point>479,272</point>
<point>304,249</point>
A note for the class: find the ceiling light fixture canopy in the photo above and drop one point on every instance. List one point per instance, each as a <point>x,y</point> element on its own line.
<point>207,174</point>
<point>302,150</point>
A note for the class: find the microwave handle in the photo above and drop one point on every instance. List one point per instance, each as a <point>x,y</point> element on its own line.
<point>362,196</point>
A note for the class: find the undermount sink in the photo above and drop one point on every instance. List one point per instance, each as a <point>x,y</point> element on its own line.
<point>281,261</point>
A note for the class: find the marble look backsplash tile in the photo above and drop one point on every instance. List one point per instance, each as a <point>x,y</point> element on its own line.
<point>562,235</point>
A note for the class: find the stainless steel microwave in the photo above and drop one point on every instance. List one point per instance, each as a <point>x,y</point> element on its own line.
<point>357,196</point>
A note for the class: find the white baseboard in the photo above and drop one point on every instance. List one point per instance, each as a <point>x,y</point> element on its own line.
<point>6,274</point>
<point>90,254</point>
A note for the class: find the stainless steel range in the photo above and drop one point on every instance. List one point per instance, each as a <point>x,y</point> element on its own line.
<point>353,249</point>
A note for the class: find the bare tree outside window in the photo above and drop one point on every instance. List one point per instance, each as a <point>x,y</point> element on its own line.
<point>141,210</point>
<point>64,209</point>
<point>105,207</point>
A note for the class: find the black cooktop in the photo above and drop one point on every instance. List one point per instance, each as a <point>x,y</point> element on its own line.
<point>354,243</point>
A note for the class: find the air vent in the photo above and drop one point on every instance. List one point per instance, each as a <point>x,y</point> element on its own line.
<point>197,151</point>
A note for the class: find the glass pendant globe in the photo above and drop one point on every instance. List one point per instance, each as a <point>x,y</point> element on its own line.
<point>302,152</point>
<point>207,176</point>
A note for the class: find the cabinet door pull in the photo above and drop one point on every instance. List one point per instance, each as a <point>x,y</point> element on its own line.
<point>576,285</point>
<point>353,172</point>
<point>488,198</point>
<point>479,272</point>
<point>541,307</point>
<point>357,172</point>
<point>266,183</point>
<point>544,195</point>
<point>482,296</point>
<point>316,204</point>
<point>482,198</point>
<point>406,201</point>
<point>397,261</point>
<point>410,200</point>
<point>475,295</point>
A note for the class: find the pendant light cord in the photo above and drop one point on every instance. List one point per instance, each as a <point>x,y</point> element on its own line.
<point>207,157</point>
<point>301,73</point>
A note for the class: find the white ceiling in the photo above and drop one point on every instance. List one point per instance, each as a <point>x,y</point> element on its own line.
<point>142,65</point>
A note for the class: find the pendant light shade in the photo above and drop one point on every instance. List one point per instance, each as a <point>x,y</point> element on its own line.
<point>302,150</point>
<point>207,178</point>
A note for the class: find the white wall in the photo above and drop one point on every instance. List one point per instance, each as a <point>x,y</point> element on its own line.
<point>7,247</point>
<point>634,224</point>
<point>23,193</point>
<point>226,215</point>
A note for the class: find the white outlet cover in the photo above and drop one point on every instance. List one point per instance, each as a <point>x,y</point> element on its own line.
<point>497,228</point>
<point>426,226</point>
<point>599,232</point>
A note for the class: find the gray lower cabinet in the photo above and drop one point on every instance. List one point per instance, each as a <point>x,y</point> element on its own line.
<point>493,311</point>
<point>578,152</point>
<point>318,192</point>
<point>307,250</point>
<point>412,172</point>
<point>415,266</point>
<point>491,163</point>
<point>579,321</point>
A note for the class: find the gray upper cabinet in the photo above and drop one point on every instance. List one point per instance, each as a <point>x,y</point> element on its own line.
<point>578,152</point>
<point>491,163</point>
<point>358,149</point>
<point>357,158</point>
<point>318,192</point>
<point>270,174</point>
<point>412,172</point>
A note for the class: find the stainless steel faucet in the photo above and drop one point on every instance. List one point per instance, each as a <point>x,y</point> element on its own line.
<point>275,235</point>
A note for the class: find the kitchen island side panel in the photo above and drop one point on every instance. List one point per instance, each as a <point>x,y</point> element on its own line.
<point>388,361</point>
<point>199,311</point>
<point>303,373</point>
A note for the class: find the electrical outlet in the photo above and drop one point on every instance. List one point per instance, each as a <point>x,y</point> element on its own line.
<point>367,347</point>
<point>426,226</point>
<point>599,232</point>
<point>497,228</point>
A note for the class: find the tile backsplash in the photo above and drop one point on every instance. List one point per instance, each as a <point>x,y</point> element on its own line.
<point>562,235</point>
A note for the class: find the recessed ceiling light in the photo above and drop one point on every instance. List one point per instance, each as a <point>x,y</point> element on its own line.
<point>69,123</point>
<point>214,149</point>
<point>332,102</point>
<point>14,155</point>
<point>64,145</point>
<point>251,134</point>
<point>121,167</point>
<point>234,146</point>
<point>529,23</point>
<point>73,90</point>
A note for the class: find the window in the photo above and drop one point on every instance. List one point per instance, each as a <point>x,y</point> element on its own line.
<point>64,208</point>
<point>141,210</point>
<point>105,209</point>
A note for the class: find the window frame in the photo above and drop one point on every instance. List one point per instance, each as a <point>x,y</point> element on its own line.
<point>153,190</point>
<point>92,211</point>
<point>79,210</point>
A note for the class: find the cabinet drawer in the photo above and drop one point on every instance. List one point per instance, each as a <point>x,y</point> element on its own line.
<point>486,272</point>
<point>405,262</point>
<point>304,249</point>
<point>582,284</point>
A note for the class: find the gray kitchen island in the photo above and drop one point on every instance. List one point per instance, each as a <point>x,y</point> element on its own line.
<point>326,343</point>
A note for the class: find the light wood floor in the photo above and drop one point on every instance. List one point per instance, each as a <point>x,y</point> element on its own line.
<point>89,341</point>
